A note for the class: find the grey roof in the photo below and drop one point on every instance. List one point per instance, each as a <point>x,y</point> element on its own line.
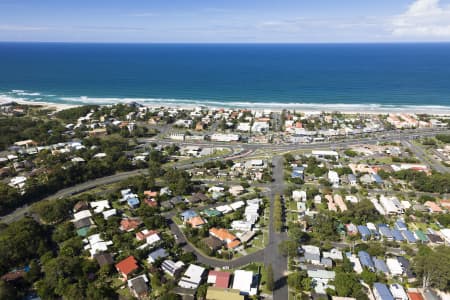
<point>104,259</point>
<point>86,222</point>
<point>311,257</point>
<point>380,265</point>
<point>159,253</point>
<point>139,285</point>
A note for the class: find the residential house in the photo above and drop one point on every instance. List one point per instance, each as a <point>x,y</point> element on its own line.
<point>172,268</point>
<point>126,267</point>
<point>139,286</point>
<point>366,260</point>
<point>381,292</point>
<point>245,283</point>
<point>196,222</point>
<point>192,277</point>
<point>230,240</point>
<point>157,254</point>
<point>398,292</point>
<point>219,279</point>
<point>104,259</point>
<point>130,224</point>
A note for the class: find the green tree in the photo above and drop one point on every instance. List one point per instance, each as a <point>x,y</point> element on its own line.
<point>270,284</point>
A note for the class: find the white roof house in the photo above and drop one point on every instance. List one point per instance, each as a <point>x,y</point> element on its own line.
<point>238,204</point>
<point>109,213</point>
<point>243,282</point>
<point>243,127</point>
<point>221,137</point>
<point>192,277</point>
<point>81,215</point>
<point>398,292</point>
<point>17,182</point>
<point>299,195</point>
<point>334,254</point>
<point>395,268</point>
<point>260,127</point>
<point>324,153</point>
<point>445,233</point>
<point>96,244</point>
<point>152,239</point>
<point>241,225</point>
<point>224,209</point>
<point>99,206</point>
<point>333,177</point>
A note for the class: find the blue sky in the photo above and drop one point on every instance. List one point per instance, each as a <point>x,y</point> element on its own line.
<point>225,21</point>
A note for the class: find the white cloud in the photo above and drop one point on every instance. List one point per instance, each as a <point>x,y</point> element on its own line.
<point>424,19</point>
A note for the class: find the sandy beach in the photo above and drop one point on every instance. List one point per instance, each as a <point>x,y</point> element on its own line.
<point>311,108</point>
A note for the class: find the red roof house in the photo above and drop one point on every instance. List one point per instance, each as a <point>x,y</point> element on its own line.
<point>219,279</point>
<point>127,266</point>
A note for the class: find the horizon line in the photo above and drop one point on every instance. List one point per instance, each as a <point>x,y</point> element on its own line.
<point>227,43</point>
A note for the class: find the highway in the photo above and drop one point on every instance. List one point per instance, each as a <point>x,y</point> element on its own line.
<point>239,151</point>
<point>424,157</point>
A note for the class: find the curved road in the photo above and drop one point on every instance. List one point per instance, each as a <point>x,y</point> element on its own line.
<point>245,150</point>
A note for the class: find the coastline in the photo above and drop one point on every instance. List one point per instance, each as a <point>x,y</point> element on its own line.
<point>369,109</point>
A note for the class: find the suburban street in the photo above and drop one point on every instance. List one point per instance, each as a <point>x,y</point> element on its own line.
<point>272,255</point>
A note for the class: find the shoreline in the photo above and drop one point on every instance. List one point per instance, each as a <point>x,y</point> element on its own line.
<point>369,109</point>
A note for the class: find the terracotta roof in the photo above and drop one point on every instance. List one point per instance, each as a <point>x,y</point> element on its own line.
<point>129,224</point>
<point>415,296</point>
<point>127,265</point>
<point>222,278</point>
<point>150,194</point>
<point>233,244</point>
<point>222,234</point>
<point>11,276</point>
<point>433,206</point>
<point>196,221</point>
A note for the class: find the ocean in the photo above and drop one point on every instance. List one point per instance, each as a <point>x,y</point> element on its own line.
<point>298,76</point>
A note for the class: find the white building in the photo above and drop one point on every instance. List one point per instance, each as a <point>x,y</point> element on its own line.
<point>395,268</point>
<point>398,292</point>
<point>192,278</point>
<point>243,281</point>
<point>243,127</point>
<point>222,137</point>
<point>324,154</point>
<point>299,195</point>
<point>333,178</point>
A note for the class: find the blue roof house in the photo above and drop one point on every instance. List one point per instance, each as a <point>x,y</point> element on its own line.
<point>409,236</point>
<point>397,234</point>
<point>380,266</point>
<point>381,292</point>
<point>364,231</point>
<point>133,202</point>
<point>385,232</point>
<point>187,215</point>
<point>366,260</point>
<point>297,172</point>
<point>400,225</point>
